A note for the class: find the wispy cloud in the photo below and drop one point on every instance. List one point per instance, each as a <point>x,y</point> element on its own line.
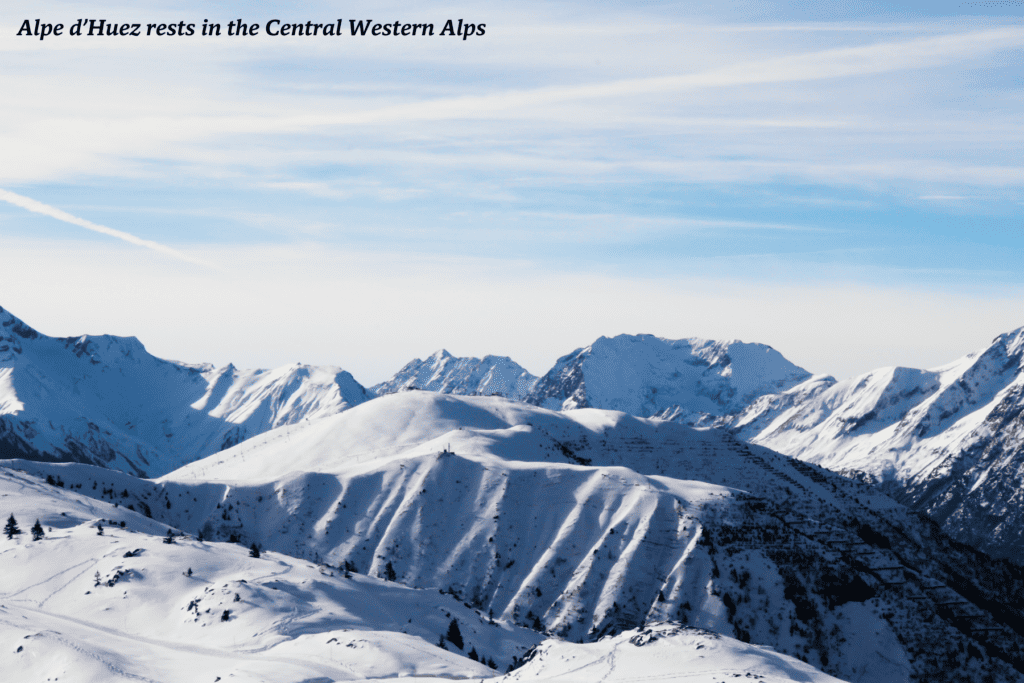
<point>676,222</point>
<point>45,209</point>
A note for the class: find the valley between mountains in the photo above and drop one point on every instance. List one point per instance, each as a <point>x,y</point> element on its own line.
<point>648,509</point>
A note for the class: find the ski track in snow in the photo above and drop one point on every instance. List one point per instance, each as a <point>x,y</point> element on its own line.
<point>185,649</point>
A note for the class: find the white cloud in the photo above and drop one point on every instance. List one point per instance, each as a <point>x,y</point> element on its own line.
<point>224,112</point>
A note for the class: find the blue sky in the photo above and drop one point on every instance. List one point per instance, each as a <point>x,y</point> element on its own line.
<point>844,181</point>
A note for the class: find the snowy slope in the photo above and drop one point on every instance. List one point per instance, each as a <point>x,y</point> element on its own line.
<point>106,400</point>
<point>643,375</point>
<point>78,606</point>
<point>125,606</point>
<point>663,652</point>
<point>444,373</point>
<point>947,441</point>
<point>586,523</point>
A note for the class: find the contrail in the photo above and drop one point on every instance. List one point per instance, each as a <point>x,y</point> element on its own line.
<point>47,210</point>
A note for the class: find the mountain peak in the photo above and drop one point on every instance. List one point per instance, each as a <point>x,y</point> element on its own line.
<point>643,375</point>
<point>10,322</point>
<point>448,374</point>
<point>1013,341</point>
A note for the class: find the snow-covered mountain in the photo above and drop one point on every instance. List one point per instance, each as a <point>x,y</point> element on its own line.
<point>446,374</point>
<point>644,375</point>
<point>106,400</point>
<point>947,441</point>
<point>124,605</point>
<point>588,523</point>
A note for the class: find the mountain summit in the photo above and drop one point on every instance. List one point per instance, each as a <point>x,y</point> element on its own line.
<point>444,373</point>
<point>643,375</point>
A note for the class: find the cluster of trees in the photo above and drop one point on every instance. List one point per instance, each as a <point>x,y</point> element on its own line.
<point>12,529</point>
<point>454,636</point>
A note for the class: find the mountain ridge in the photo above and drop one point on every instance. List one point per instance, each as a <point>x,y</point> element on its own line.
<point>948,441</point>
<point>445,373</point>
<point>106,400</point>
<point>586,523</point>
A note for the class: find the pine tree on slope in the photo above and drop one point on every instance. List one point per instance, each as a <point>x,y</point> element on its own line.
<point>454,635</point>
<point>12,527</point>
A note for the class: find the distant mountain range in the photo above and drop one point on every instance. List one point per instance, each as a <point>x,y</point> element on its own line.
<point>947,442</point>
<point>643,493</point>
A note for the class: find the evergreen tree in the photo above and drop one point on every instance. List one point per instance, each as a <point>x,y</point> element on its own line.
<point>254,550</point>
<point>454,634</point>
<point>37,531</point>
<point>169,538</point>
<point>473,655</point>
<point>389,572</point>
<point>11,529</point>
